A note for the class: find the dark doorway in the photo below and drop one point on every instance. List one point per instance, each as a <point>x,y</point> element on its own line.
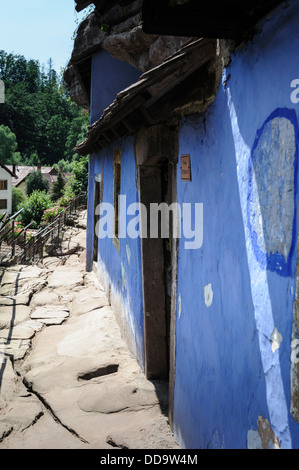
<point>156,188</point>
<point>97,201</point>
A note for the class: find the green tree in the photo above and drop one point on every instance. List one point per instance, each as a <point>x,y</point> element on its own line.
<point>67,167</point>
<point>76,133</point>
<point>58,186</point>
<point>56,131</point>
<point>36,182</point>
<point>79,178</point>
<point>32,160</point>
<point>8,146</point>
<point>38,109</point>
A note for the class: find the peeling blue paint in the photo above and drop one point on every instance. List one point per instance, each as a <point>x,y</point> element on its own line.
<point>275,261</point>
<point>227,372</point>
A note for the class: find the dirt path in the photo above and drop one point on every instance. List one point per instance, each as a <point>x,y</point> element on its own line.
<point>67,380</point>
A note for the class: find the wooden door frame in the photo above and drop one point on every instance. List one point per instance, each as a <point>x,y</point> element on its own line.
<point>153,145</point>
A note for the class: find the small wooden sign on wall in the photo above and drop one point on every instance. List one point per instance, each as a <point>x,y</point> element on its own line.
<point>185,168</point>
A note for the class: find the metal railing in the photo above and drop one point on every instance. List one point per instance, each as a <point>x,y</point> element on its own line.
<point>19,247</point>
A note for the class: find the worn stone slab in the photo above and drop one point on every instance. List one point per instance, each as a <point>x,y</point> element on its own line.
<point>34,324</point>
<point>19,273</point>
<point>14,348</point>
<point>9,381</point>
<point>73,260</point>
<point>65,277</point>
<point>80,239</point>
<point>45,434</point>
<point>27,285</point>
<point>88,299</point>
<point>5,430</point>
<point>156,434</point>
<point>113,397</point>
<point>20,331</point>
<point>44,297</point>
<point>50,315</point>
<point>20,299</point>
<point>13,315</point>
<point>21,279</point>
<point>23,412</point>
<point>66,248</point>
<point>51,262</point>
<point>70,368</point>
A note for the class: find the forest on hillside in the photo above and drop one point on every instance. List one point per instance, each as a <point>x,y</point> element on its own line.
<point>38,121</point>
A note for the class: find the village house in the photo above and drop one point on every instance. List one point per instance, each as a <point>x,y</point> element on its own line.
<point>22,172</point>
<point>6,176</point>
<point>198,103</point>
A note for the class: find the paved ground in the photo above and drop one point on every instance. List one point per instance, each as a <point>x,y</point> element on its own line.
<point>67,380</point>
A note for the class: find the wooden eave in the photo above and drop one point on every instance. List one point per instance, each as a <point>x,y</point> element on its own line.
<point>157,93</point>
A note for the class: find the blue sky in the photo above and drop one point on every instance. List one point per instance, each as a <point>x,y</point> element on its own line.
<point>39,29</point>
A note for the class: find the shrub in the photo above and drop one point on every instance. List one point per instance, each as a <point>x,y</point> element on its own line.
<point>50,214</point>
<point>65,200</point>
<point>18,199</point>
<point>34,208</point>
<point>18,227</point>
<point>79,178</point>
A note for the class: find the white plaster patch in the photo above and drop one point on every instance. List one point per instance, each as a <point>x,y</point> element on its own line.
<point>276,340</point>
<point>208,293</point>
<point>123,275</point>
<point>180,305</point>
<point>128,254</point>
<point>254,440</point>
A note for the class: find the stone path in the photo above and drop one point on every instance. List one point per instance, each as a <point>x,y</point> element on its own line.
<point>67,380</point>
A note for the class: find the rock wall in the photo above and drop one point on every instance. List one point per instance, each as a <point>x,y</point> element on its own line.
<point>118,31</point>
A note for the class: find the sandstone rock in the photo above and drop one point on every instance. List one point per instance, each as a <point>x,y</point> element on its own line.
<point>64,249</point>
<point>45,434</point>
<point>112,397</point>
<point>9,381</point>
<point>13,315</point>
<point>20,299</point>
<point>21,280</point>
<point>64,277</point>
<point>45,297</point>
<point>23,412</point>
<point>51,262</point>
<point>50,315</point>
<point>5,430</point>
<point>21,331</point>
<point>156,433</point>
<point>14,348</point>
<point>124,40</point>
<point>87,300</point>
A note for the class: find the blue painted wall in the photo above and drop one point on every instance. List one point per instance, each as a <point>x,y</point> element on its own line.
<point>244,162</point>
<point>108,77</point>
<point>121,268</point>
